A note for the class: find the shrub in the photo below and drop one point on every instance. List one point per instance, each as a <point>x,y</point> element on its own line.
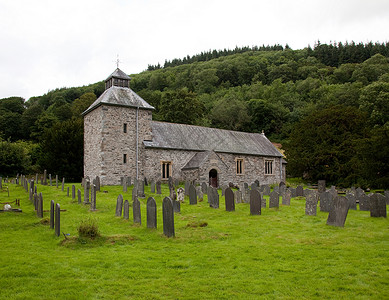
<point>88,228</point>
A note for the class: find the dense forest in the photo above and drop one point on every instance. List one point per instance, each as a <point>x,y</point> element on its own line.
<point>327,105</point>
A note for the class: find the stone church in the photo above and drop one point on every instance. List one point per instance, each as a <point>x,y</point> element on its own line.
<point>121,139</point>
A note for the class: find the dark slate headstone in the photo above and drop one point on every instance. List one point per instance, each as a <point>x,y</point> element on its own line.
<point>63,183</point>
<point>238,196</point>
<point>86,192</point>
<point>73,192</point>
<point>377,205</point>
<point>215,198</point>
<point>299,191</point>
<point>176,205</point>
<point>79,196</point>
<point>98,183</point>
<point>158,185</point>
<point>187,184</point>
<point>52,210</point>
<point>199,193</point>
<point>67,192</point>
<point>338,213</point>
<point>254,186</point>
<point>326,201</point>
<point>386,193</point>
<point>93,198</point>
<point>311,204</point>
<point>141,189</point>
<point>152,187</point>
<point>136,211</point>
<point>204,188</point>
<point>119,206</point>
<point>364,204</point>
<point>286,197</point>
<point>274,200</point>
<point>255,202</point>
<point>192,195</point>
<point>352,203</point>
<point>151,213</point>
<point>168,217</point>
<point>124,184</point>
<point>230,202</point>
<point>266,190</point>
<point>57,221</point>
<point>39,211</point>
<point>321,186</point>
<point>126,210</point>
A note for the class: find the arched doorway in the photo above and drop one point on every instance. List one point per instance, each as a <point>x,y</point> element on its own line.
<point>213,178</point>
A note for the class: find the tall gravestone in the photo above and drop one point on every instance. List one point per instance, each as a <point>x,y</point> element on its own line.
<point>158,186</point>
<point>204,188</point>
<point>134,193</point>
<point>50,180</point>
<point>126,210</point>
<point>79,196</point>
<point>125,184</point>
<point>63,184</point>
<point>299,191</point>
<point>93,197</point>
<point>229,198</point>
<point>214,197</point>
<point>98,183</point>
<point>73,192</point>
<point>311,204</point>
<point>364,203</point>
<point>152,187</point>
<point>151,213</point>
<point>274,200</point>
<point>136,211</point>
<point>57,221</point>
<point>45,177</point>
<point>187,185</point>
<point>338,213</point>
<point>326,201</point>
<point>52,211</point>
<point>286,197</point>
<point>141,189</point>
<point>238,196</point>
<point>168,217</point>
<point>321,186</point>
<point>119,206</point>
<point>377,206</point>
<point>199,193</point>
<point>255,202</point>
<point>352,203</point>
<point>86,192</point>
<point>192,195</point>
<point>39,210</point>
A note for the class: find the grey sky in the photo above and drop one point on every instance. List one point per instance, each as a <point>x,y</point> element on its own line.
<point>48,44</point>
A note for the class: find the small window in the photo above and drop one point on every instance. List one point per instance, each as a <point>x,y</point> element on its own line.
<point>268,167</point>
<point>239,166</point>
<point>166,168</point>
<point>125,127</point>
<point>124,158</point>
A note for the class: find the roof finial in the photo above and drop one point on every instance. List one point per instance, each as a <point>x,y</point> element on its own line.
<point>117,61</point>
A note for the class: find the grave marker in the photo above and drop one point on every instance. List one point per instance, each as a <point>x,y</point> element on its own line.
<point>126,210</point>
<point>52,210</point>
<point>311,204</point>
<point>229,200</point>
<point>255,202</point>
<point>168,217</point>
<point>192,195</point>
<point>57,221</point>
<point>338,213</point>
<point>159,192</point>
<point>377,206</point>
<point>274,200</point>
<point>286,197</point>
<point>151,213</point>
<point>364,204</point>
<point>79,196</point>
<point>136,211</point>
<point>119,206</point>
<point>299,191</point>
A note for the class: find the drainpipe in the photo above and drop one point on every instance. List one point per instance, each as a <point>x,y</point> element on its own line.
<point>137,138</point>
<point>281,168</point>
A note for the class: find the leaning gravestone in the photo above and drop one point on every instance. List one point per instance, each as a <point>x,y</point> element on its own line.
<point>321,186</point>
<point>299,191</point>
<point>229,198</point>
<point>57,221</point>
<point>151,213</point>
<point>274,200</point>
<point>192,195</point>
<point>159,192</point>
<point>377,206</point>
<point>311,204</point>
<point>204,188</point>
<point>326,201</point>
<point>338,213</point>
<point>126,210</point>
<point>352,204</point>
<point>168,217</point>
<point>255,202</point>
<point>119,206</point>
<point>52,208</point>
<point>364,204</point>
<point>286,197</point>
<point>136,211</point>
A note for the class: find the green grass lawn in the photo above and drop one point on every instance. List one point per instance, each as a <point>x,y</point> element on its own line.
<point>280,254</point>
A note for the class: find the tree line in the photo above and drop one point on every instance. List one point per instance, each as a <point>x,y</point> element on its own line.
<point>327,106</point>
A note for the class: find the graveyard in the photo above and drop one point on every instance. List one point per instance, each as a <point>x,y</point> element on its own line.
<point>220,249</point>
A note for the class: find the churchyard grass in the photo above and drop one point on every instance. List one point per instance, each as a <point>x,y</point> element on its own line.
<point>215,254</point>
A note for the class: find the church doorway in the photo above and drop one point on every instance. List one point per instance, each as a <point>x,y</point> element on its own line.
<point>213,178</point>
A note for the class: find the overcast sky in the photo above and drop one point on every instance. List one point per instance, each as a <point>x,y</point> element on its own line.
<point>48,44</point>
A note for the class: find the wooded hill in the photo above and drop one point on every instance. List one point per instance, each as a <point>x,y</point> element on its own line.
<point>328,106</point>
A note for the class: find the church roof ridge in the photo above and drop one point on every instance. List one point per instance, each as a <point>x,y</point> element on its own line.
<point>119,74</point>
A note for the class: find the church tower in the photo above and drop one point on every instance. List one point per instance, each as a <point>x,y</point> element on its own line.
<point>115,126</point>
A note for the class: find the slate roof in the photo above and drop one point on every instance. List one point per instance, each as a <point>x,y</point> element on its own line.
<point>196,138</point>
<point>197,160</point>
<point>119,74</point>
<point>119,96</point>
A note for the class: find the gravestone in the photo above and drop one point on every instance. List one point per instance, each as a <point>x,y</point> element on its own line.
<point>152,187</point>
<point>141,189</point>
<point>229,199</point>
<point>204,188</point>
<point>67,192</point>
<point>255,202</point>
<point>57,220</point>
<point>352,203</point>
<point>45,177</point>
<point>134,193</point>
<point>125,184</point>
<point>192,195</point>
<point>73,192</point>
<point>311,204</point>
<point>326,201</point>
<point>79,196</point>
<point>321,186</point>
<point>338,213</point>
<point>377,205</point>
<point>364,204</point>
<point>168,217</point>
<point>199,193</point>
<point>93,198</point>
<point>333,191</point>
<point>170,183</point>
<point>299,191</point>
<point>51,182</point>
<point>187,185</point>
<point>282,189</point>
<point>276,189</point>
<point>245,185</point>
<point>286,197</point>
<point>151,213</point>
<point>32,184</point>
<point>176,205</point>
<point>238,196</point>
<point>39,211</point>
<point>214,197</point>
<point>63,183</point>
<point>126,210</point>
<point>246,196</point>
<point>274,200</point>
<point>293,191</point>
<point>254,186</point>
<point>98,183</point>
<point>266,190</point>
<point>209,194</point>
<point>158,185</point>
<point>263,201</point>
<point>386,193</point>
<point>358,193</point>
<point>119,206</point>
<point>136,211</point>
<point>52,209</point>
<point>86,192</point>
<point>128,178</point>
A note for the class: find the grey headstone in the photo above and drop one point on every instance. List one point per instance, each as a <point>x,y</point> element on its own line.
<point>386,193</point>
<point>209,194</point>
<point>119,206</point>
<point>158,185</point>
<point>152,187</point>
<point>79,196</point>
<point>126,210</point>
<point>254,186</point>
<point>168,217</point>
<point>63,183</point>
<point>151,213</point>
<point>136,211</point>
<point>32,184</point>
<point>377,205</point>
<point>192,195</point>
<point>50,180</point>
<point>93,197</point>
<point>294,193</point>
<point>276,189</point>
<point>230,202</point>
<point>338,213</point>
<point>39,211</point>
<point>187,185</point>
<point>352,203</point>
<point>176,205</point>
<point>326,201</point>
<point>282,189</point>
<point>125,185</point>
<point>171,183</point>
<point>214,197</point>
<point>299,191</point>
<point>266,190</point>
<point>73,192</point>
<point>311,204</point>
<point>45,177</point>
<point>204,188</point>
<point>321,186</point>
<point>364,204</point>
<point>333,191</point>
<point>52,211</point>
<point>86,192</point>
<point>274,200</point>
<point>141,189</point>
<point>134,193</point>
<point>98,183</point>
<point>286,197</point>
<point>57,221</point>
<point>255,202</point>
<point>199,193</point>
<point>358,193</point>
<point>246,196</point>
<point>238,196</point>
